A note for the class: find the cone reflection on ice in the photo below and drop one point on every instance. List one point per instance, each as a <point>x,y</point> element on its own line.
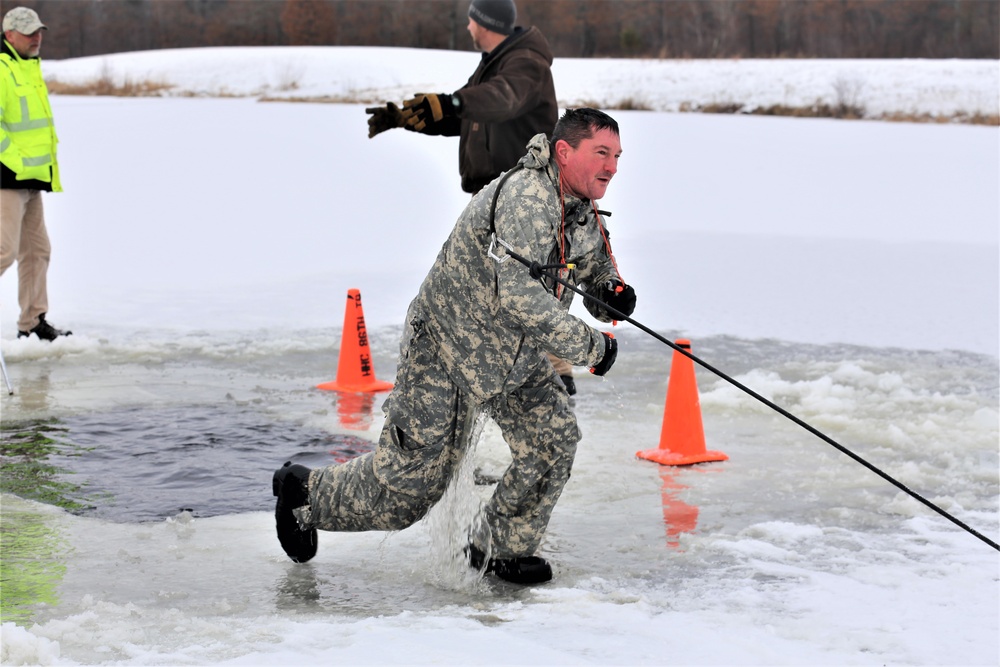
<point>355,370</point>
<point>678,516</point>
<point>682,437</point>
<point>355,409</point>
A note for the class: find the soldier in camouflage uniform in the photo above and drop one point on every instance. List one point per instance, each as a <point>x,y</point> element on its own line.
<point>476,339</point>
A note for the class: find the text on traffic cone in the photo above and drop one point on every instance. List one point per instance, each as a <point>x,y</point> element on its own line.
<point>355,371</point>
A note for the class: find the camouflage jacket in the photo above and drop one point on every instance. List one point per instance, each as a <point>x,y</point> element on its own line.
<point>492,321</point>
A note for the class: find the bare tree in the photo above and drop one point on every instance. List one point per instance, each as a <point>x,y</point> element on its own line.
<point>309,22</point>
<point>574,28</point>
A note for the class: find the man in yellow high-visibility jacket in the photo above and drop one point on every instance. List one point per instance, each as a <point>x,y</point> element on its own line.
<point>28,167</point>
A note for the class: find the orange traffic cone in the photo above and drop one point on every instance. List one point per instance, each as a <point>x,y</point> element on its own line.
<point>355,371</point>
<point>682,438</point>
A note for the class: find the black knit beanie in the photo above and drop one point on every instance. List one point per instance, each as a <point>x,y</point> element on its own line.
<point>496,15</point>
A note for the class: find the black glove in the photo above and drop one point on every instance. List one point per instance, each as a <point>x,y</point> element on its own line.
<point>426,109</point>
<point>610,354</point>
<point>619,296</point>
<point>383,118</point>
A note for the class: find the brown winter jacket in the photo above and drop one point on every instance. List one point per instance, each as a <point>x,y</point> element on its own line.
<point>509,99</point>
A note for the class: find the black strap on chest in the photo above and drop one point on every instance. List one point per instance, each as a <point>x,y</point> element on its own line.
<point>496,195</point>
<point>534,268</point>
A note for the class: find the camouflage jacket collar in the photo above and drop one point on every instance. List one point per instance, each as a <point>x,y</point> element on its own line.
<point>540,157</point>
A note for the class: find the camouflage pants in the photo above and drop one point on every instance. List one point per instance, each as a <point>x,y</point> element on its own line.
<point>427,431</point>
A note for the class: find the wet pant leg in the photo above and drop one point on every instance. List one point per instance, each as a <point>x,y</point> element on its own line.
<point>424,438</point>
<point>540,428</point>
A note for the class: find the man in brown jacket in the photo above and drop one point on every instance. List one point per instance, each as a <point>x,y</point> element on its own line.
<point>508,99</point>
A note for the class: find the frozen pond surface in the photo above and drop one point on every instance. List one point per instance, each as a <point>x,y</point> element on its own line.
<point>849,271</point>
<point>774,536</point>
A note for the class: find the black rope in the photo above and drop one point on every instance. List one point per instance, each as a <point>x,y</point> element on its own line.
<point>537,269</point>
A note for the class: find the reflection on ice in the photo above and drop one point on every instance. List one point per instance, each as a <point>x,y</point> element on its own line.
<point>34,551</point>
<point>678,516</point>
<point>354,409</point>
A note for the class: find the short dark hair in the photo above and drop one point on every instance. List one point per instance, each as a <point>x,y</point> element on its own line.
<point>579,124</point>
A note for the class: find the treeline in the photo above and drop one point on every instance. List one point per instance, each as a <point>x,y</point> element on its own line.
<point>574,28</point>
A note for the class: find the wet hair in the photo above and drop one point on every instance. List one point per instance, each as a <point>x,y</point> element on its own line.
<point>579,124</point>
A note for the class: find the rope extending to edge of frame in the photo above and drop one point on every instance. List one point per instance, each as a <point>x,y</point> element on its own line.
<point>535,268</point>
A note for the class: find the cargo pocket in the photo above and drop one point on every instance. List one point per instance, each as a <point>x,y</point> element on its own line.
<point>405,465</point>
<point>423,401</point>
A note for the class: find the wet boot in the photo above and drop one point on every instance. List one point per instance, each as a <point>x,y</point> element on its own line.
<point>44,330</point>
<point>291,487</point>
<point>524,570</point>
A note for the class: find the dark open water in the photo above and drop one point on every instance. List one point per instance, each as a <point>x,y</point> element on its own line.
<point>146,464</point>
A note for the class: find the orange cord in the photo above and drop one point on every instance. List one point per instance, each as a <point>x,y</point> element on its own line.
<point>562,243</point>
<point>607,245</point>
<point>562,240</point>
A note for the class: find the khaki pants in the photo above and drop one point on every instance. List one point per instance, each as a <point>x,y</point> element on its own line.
<point>23,238</point>
<point>426,434</point>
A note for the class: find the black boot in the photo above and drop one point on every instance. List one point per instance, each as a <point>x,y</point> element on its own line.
<point>291,488</point>
<point>44,330</point>
<point>524,570</point>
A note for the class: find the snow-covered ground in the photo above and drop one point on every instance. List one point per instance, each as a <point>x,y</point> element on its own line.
<point>848,270</point>
<point>934,87</point>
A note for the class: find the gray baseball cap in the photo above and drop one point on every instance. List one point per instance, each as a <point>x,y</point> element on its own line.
<point>23,20</point>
